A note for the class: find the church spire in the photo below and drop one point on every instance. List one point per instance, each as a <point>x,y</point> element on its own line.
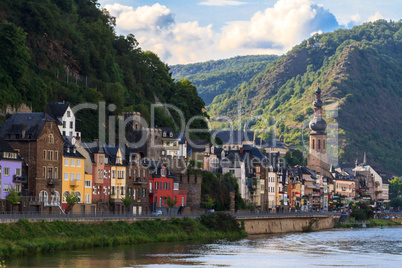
<point>317,124</point>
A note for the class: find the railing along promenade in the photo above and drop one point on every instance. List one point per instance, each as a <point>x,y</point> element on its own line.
<point>7,217</point>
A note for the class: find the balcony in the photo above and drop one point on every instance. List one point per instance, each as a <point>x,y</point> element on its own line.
<point>19,179</point>
<point>139,181</point>
<point>52,181</point>
<point>73,183</point>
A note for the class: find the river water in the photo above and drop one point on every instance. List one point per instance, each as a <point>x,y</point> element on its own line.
<point>372,247</point>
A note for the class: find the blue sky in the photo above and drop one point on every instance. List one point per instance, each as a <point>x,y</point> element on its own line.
<point>186,31</point>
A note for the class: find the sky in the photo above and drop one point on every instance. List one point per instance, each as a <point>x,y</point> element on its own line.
<point>189,31</point>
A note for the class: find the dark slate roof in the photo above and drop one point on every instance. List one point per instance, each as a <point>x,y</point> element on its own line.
<point>168,131</point>
<point>33,123</point>
<point>93,148</point>
<point>198,145</point>
<point>56,110</point>
<point>233,137</point>
<point>181,136</point>
<point>134,139</point>
<point>111,153</point>
<point>69,150</point>
<point>5,147</point>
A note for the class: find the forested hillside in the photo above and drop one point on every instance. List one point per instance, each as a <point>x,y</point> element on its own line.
<point>55,50</point>
<point>212,78</point>
<point>358,69</point>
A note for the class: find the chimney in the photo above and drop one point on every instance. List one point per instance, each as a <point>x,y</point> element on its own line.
<point>23,131</point>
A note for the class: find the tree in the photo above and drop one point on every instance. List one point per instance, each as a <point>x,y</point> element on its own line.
<point>209,203</point>
<point>71,200</point>
<point>395,187</point>
<point>13,197</point>
<point>171,202</point>
<point>127,201</point>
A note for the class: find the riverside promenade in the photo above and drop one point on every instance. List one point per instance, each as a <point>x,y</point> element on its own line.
<point>254,223</point>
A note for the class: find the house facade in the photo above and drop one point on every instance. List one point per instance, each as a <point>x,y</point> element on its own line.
<point>37,139</point>
<point>10,169</point>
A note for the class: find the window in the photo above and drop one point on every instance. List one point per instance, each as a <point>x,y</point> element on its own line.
<point>71,124</point>
<point>323,144</point>
<point>313,144</point>
<point>65,195</point>
<point>6,171</point>
<point>50,155</point>
<point>87,199</point>
<point>43,196</point>
<point>144,192</point>
<point>319,144</point>
<point>44,154</point>
<point>66,176</point>
<point>6,188</point>
<point>79,163</point>
<point>55,173</point>
<point>17,172</point>
<point>50,138</point>
<point>143,173</point>
<point>113,174</point>
<point>164,134</point>
<point>56,155</point>
<point>73,162</point>
<point>64,124</point>
<point>95,190</point>
<point>160,201</point>
<point>113,190</point>
<point>18,188</point>
<point>88,184</point>
<point>68,113</point>
<point>163,172</point>
<point>150,186</point>
<point>156,185</point>
<point>122,190</point>
<point>175,186</point>
<point>78,176</point>
<point>72,176</point>
<point>66,162</point>
<point>171,134</point>
<point>101,159</point>
<point>44,172</point>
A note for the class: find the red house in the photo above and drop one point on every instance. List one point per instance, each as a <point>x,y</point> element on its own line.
<point>162,184</point>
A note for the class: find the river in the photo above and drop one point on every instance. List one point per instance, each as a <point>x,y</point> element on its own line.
<point>368,247</point>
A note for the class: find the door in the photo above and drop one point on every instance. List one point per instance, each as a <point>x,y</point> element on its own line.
<point>134,210</point>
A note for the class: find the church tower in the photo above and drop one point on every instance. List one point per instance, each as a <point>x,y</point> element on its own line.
<point>317,158</point>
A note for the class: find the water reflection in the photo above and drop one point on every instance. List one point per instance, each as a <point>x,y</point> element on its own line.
<point>351,248</point>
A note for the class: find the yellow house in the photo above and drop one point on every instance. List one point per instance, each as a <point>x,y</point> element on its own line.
<point>73,180</point>
<point>88,189</point>
<point>118,177</point>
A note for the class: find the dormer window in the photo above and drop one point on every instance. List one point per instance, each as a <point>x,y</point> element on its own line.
<point>171,134</point>
<point>163,172</point>
<point>164,134</point>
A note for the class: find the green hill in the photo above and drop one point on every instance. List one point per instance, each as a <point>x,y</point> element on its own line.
<point>358,69</point>
<point>55,50</point>
<point>212,78</point>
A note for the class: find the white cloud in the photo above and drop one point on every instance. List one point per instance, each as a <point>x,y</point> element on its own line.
<point>271,31</point>
<point>376,16</point>
<point>281,27</point>
<point>145,18</point>
<point>222,3</point>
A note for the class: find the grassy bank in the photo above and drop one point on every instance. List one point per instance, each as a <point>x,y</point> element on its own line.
<point>372,223</point>
<point>24,237</point>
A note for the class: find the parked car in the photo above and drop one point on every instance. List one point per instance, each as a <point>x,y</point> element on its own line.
<point>157,213</point>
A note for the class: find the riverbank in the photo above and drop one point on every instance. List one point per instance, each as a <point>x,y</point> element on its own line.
<point>368,223</point>
<point>24,237</point>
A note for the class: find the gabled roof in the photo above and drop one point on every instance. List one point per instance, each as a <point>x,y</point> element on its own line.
<point>5,147</point>
<point>69,150</point>
<point>32,122</point>
<point>56,110</point>
<point>111,153</point>
<point>233,137</point>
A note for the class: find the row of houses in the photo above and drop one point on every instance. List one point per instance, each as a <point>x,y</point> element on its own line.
<point>42,156</point>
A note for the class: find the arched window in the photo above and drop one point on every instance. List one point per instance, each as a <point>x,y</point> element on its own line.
<point>319,144</point>
<point>43,196</point>
<point>65,194</point>
<point>56,198</point>
<point>313,143</point>
<point>78,195</point>
<point>323,144</point>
